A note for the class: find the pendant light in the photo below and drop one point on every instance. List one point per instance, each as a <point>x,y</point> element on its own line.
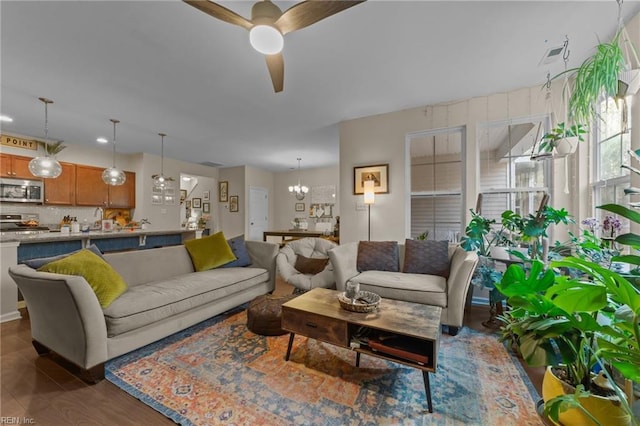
<point>161,181</point>
<point>46,167</point>
<point>112,175</point>
<point>299,190</point>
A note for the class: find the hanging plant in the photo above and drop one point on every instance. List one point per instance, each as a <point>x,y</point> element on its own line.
<point>53,148</point>
<point>598,74</point>
<point>561,133</point>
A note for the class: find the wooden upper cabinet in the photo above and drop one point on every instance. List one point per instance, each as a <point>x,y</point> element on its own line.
<point>124,196</point>
<point>92,191</point>
<point>15,166</point>
<point>61,190</point>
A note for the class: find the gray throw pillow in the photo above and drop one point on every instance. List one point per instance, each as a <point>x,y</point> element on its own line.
<point>426,257</point>
<point>378,256</point>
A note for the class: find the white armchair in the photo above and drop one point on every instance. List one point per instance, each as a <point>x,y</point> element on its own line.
<point>310,248</point>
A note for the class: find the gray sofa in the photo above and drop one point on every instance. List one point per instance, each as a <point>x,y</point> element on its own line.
<point>164,295</point>
<point>448,293</point>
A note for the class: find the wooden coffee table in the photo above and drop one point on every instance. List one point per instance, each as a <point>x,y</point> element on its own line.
<point>409,332</point>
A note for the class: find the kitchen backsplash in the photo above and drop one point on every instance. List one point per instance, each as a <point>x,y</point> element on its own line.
<point>51,216</point>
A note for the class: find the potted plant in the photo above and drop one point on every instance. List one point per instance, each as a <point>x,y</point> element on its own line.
<point>556,321</point>
<point>564,140</point>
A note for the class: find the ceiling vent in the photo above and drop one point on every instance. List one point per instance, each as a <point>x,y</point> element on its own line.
<point>552,55</point>
<point>211,164</point>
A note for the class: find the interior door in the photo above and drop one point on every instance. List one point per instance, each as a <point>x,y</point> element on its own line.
<point>258,212</point>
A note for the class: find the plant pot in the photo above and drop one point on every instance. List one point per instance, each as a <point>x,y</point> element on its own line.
<point>607,410</point>
<point>567,145</point>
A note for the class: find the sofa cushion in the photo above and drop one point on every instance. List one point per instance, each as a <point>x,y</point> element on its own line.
<point>41,261</point>
<point>239,249</point>
<point>106,283</point>
<point>308,265</point>
<point>209,252</point>
<point>378,256</point>
<point>151,302</point>
<point>418,288</point>
<point>426,257</point>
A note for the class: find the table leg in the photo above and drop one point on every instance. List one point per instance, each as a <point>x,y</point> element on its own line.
<point>357,359</point>
<point>427,388</point>
<point>289,347</point>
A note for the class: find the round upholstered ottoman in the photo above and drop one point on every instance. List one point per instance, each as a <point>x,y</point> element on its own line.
<point>264,314</point>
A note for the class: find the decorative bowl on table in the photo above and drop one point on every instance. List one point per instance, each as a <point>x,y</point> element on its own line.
<point>365,301</point>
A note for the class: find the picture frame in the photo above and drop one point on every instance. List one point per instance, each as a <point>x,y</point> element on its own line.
<point>170,200</point>
<point>379,173</point>
<point>206,207</point>
<point>300,207</point>
<point>196,203</point>
<point>156,190</point>
<point>223,191</point>
<point>169,191</point>
<point>187,204</point>
<point>156,199</point>
<point>183,195</point>
<point>233,203</point>
<point>205,195</point>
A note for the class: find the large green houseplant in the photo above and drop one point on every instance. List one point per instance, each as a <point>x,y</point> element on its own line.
<point>557,320</point>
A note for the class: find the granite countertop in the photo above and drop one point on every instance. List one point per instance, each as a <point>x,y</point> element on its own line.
<point>58,236</point>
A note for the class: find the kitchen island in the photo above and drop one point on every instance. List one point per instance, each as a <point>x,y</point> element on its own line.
<point>16,249</point>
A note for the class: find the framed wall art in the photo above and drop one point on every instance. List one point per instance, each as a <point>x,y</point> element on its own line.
<point>205,195</point>
<point>223,191</point>
<point>299,207</point>
<point>379,174</point>
<point>206,207</point>
<point>187,204</point>
<point>233,203</point>
<point>196,203</point>
<point>183,195</point>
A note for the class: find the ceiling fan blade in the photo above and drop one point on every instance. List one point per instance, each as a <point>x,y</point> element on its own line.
<point>308,12</point>
<point>275,63</point>
<point>220,12</point>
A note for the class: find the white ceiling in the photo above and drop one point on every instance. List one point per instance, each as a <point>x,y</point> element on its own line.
<point>164,66</point>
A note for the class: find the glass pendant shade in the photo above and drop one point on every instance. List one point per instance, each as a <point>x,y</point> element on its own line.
<point>114,176</point>
<point>45,167</point>
<point>161,181</point>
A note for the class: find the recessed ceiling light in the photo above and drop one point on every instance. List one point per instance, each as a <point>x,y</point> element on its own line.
<point>102,140</point>
<point>186,178</point>
<point>5,118</point>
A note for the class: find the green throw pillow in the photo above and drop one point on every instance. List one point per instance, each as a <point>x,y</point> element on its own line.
<point>209,252</point>
<point>103,279</point>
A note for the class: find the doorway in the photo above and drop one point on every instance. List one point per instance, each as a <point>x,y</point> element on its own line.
<point>258,212</point>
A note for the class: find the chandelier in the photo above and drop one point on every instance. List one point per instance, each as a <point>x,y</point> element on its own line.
<point>47,166</point>
<point>114,176</point>
<point>299,190</point>
<point>161,181</point>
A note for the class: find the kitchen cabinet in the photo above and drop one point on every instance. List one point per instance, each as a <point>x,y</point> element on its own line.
<point>92,191</point>
<point>15,166</point>
<point>61,190</point>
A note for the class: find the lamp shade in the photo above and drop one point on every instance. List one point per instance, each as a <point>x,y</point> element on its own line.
<point>45,167</point>
<point>113,176</point>
<point>369,194</point>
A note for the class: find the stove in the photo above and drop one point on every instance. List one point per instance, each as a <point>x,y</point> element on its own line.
<point>21,224</point>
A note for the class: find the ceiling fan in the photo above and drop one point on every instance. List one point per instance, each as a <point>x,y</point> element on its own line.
<point>269,24</point>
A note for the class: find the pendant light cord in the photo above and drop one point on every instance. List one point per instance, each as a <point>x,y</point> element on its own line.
<point>114,121</point>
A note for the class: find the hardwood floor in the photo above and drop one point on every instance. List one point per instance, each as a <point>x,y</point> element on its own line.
<point>40,390</point>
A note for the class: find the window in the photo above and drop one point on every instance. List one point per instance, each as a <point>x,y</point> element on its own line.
<point>612,143</point>
<point>509,178</point>
<point>436,184</point>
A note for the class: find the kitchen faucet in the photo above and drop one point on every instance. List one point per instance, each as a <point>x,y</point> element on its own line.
<point>100,210</point>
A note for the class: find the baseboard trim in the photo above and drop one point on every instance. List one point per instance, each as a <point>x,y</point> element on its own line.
<point>11,316</point>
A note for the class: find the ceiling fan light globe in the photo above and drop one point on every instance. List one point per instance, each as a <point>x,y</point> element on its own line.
<point>266,39</point>
<point>45,167</point>
<point>113,176</point>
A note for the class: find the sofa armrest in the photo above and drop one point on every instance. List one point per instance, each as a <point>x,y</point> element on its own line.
<point>285,260</point>
<point>463,263</point>
<point>344,259</point>
<point>263,254</point>
<point>65,315</point>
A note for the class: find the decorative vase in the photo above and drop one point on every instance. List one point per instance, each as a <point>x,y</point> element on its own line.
<point>607,410</point>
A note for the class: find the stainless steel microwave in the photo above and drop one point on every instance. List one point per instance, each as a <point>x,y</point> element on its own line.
<point>21,190</point>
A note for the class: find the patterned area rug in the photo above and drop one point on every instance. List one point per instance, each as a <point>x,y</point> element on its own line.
<point>219,372</point>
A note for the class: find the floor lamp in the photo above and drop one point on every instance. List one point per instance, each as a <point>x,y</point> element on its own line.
<point>369,198</point>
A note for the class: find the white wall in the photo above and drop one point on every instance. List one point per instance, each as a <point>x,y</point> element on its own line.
<point>233,223</point>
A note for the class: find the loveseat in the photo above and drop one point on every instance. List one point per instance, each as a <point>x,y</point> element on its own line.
<point>448,291</point>
<point>164,295</point>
